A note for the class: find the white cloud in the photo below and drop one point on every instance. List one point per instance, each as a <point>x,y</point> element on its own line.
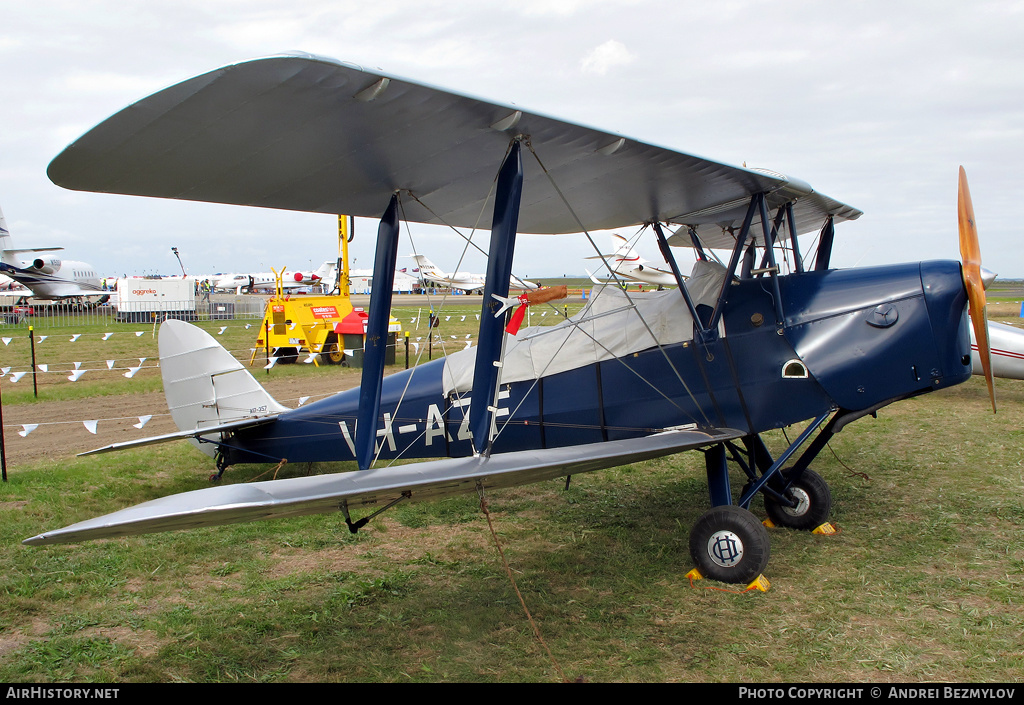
<point>607,56</point>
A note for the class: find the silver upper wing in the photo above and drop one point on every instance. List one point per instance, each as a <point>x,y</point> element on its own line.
<point>307,133</point>
<point>417,481</point>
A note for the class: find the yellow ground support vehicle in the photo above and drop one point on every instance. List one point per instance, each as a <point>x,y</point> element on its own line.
<point>328,328</point>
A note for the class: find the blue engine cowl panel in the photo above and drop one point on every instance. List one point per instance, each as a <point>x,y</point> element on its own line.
<point>894,321</point>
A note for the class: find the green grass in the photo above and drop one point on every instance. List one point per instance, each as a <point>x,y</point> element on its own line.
<point>923,582</point>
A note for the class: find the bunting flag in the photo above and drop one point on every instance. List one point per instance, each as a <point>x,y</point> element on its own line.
<point>78,365</point>
<point>141,360</point>
<point>27,428</point>
<point>110,364</point>
<point>4,371</point>
<point>75,337</point>
<point>303,400</point>
<point>447,318</point>
<point>248,326</point>
<point>42,338</point>
<point>416,348</point>
<point>43,368</point>
<point>90,426</point>
<point>7,341</point>
<point>76,374</point>
<point>143,420</point>
<point>270,364</point>
<point>463,318</point>
<point>17,375</point>
<point>312,356</point>
<point>138,333</point>
<point>106,336</point>
<point>131,371</point>
<point>468,344</point>
<point>223,328</point>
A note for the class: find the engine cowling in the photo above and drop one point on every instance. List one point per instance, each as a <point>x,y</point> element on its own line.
<point>50,265</point>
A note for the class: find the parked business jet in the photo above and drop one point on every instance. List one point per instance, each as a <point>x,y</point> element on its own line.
<point>48,277</point>
<point>267,281</point>
<point>464,281</point>
<point>627,263</point>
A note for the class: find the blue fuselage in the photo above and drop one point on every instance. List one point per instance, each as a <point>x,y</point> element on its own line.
<point>850,339</point>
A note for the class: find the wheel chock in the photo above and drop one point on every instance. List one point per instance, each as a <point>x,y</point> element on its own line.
<point>694,575</point>
<point>768,523</point>
<point>760,583</point>
<point>826,529</point>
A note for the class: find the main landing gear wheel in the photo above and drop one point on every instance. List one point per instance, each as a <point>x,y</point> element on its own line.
<point>729,544</point>
<point>813,504</point>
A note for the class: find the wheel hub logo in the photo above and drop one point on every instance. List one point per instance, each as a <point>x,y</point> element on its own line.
<point>725,548</point>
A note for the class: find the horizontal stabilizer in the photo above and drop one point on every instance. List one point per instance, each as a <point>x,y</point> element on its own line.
<point>180,435</point>
<point>418,481</point>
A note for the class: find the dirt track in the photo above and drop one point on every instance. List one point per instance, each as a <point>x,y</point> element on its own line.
<point>62,434</point>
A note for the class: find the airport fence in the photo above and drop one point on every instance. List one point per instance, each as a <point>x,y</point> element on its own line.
<point>62,315</point>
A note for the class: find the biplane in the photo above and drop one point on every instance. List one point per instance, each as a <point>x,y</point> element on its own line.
<point>761,338</point>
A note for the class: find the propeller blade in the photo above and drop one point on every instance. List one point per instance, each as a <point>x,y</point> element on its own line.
<point>970,253</point>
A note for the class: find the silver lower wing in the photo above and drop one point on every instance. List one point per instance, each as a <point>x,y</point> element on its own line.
<point>418,481</point>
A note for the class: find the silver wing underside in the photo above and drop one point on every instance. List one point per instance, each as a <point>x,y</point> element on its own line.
<point>307,133</point>
<point>418,481</point>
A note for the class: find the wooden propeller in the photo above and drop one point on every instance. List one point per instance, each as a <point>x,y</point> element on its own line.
<point>970,254</point>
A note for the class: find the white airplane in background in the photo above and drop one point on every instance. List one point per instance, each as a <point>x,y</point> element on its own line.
<point>47,277</point>
<point>268,280</point>
<point>464,281</point>
<point>1007,344</point>
<point>627,264</point>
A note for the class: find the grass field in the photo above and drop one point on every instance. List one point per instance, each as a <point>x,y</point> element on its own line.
<point>922,583</point>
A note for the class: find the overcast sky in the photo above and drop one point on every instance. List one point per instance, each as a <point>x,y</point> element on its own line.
<point>873,103</point>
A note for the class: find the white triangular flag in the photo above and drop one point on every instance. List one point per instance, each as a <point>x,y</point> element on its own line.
<point>468,344</point>
<point>44,368</point>
<point>76,374</point>
<point>110,364</point>
<point>141,360</point>
<point>4,371</point>
<point>90,426</point>
<point>143,420</point>
<point>27,428</point>
<point>139,333</point>
<point>312,356</point>
<point>107,335</point>
<point>224,328</point>
<point>131,372</point>
<point>16,376</point>
<point>42,338</point>
<point>463,318</point>
<point>78,365</point>
<point>303,400</point>
<point>350,353</point>
<point>248,326</point>
<point>273,361</point>
<point>75,337</point>
<point>447,318</point>
<point>7,341</point>
<point>415,348</point>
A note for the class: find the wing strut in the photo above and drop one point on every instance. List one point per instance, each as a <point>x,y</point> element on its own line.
<point>828,234</point>
<point>499,269</point>
<point>377,335</point>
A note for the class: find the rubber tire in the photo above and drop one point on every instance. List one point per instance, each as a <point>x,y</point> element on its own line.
<point>812,488</point>
<point>752,537</point>
<point>334,355</point>
<point>286,356</point>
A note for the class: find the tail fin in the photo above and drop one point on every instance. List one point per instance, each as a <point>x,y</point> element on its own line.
<point>204,384</point>
<point>425,264</point>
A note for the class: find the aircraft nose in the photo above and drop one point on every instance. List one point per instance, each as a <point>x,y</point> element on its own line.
<point>946,298</point>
